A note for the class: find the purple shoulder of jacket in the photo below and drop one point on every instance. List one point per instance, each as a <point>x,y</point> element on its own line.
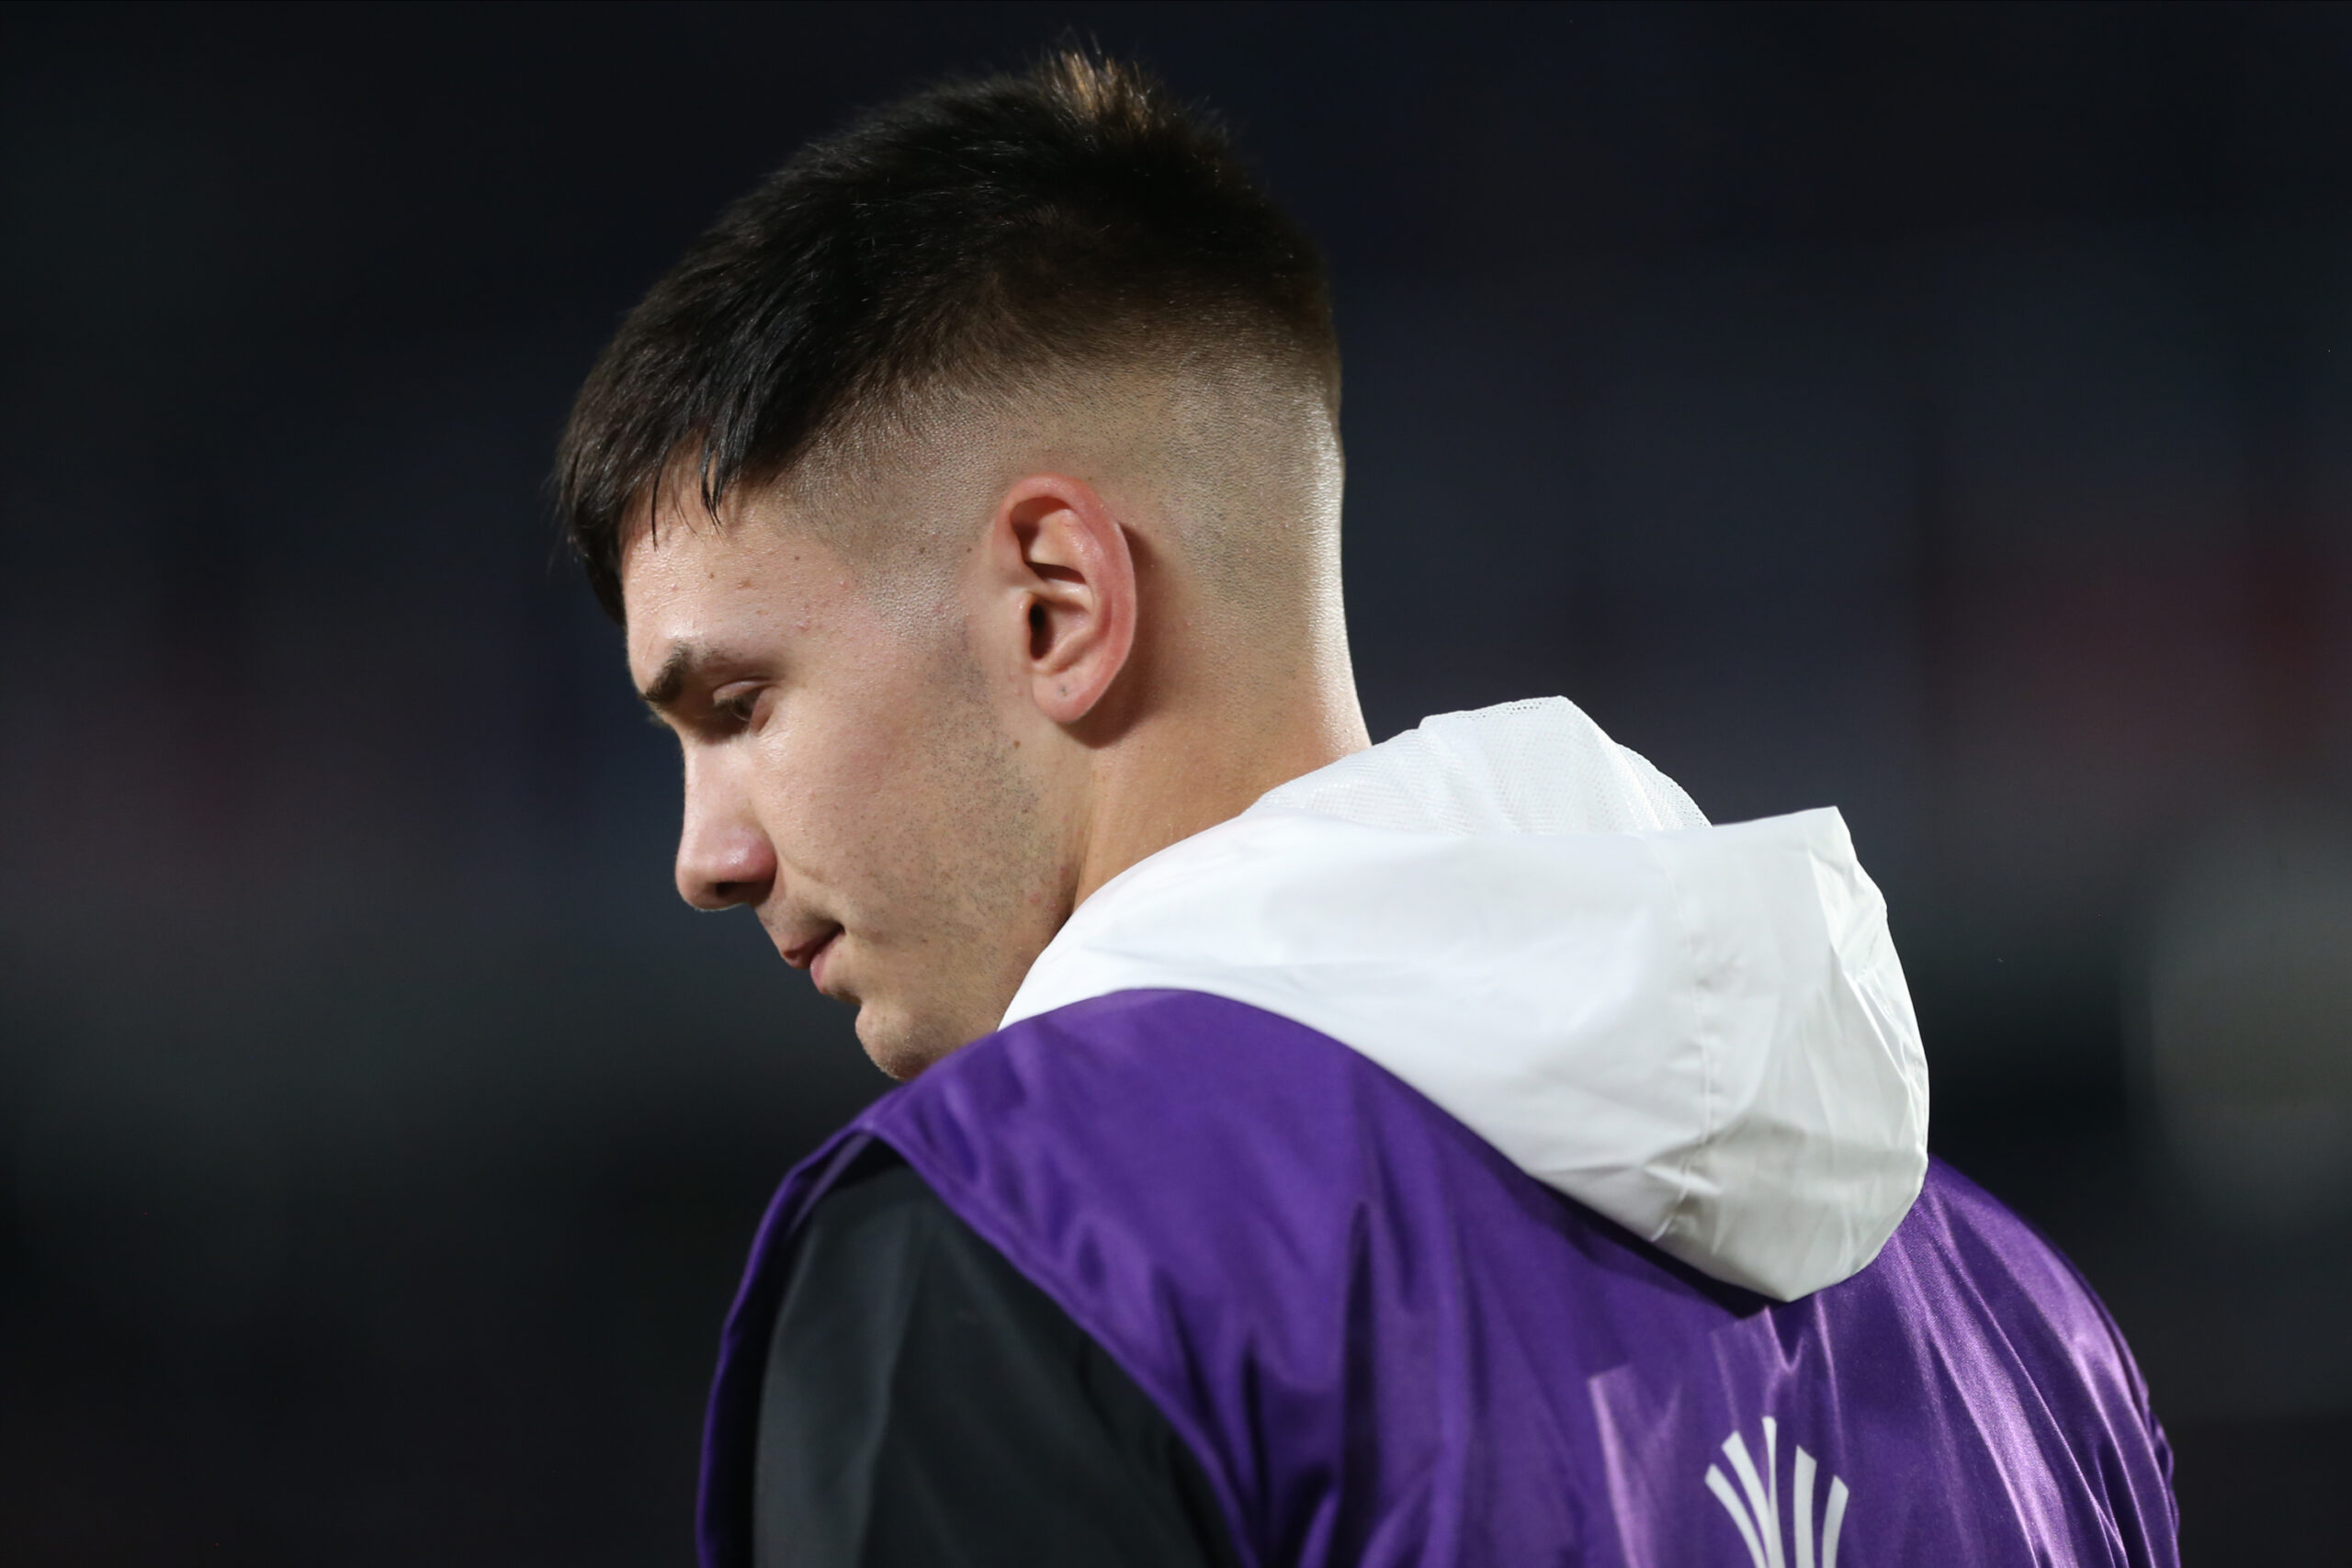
<point>1387,1345</point>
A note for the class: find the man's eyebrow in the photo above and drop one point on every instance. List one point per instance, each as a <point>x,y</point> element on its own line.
<point>662,692</point>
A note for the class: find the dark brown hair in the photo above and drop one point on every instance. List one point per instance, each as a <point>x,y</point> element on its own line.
<point>964,236</point>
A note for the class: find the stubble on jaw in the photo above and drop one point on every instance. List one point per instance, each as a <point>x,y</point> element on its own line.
<point>979,884</point>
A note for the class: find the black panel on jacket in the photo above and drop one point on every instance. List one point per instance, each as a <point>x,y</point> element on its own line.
<point>925,1404</point>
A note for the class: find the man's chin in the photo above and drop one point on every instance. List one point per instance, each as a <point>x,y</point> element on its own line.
<point>901,1045</point>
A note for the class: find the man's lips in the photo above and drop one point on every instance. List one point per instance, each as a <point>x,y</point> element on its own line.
<point>811,954</point>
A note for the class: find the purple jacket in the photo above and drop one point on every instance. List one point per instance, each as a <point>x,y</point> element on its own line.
<point>1387,1344</point>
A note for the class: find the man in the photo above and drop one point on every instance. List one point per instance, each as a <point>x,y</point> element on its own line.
<point>1452,1150</point>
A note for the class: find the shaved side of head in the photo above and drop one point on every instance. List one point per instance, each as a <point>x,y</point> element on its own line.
<point>1228,466</point>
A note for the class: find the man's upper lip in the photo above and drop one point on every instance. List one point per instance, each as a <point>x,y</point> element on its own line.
<point>800,955</point>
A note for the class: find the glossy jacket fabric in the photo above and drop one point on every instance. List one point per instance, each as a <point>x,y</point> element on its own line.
<point>1387,1344</point>
<point>1702,1032</point>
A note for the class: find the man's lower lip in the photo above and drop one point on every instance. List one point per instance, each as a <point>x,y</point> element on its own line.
<point>816,960</point>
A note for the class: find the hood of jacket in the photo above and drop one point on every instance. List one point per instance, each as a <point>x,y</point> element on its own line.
<point>1702,1032</point>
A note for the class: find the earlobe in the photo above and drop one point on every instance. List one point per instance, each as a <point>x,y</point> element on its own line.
<point>1076,581</point>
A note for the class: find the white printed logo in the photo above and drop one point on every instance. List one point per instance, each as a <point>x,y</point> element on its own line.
<point>1759,1518</point>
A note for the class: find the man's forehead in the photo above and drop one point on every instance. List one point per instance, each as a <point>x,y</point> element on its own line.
<point>696,580</point>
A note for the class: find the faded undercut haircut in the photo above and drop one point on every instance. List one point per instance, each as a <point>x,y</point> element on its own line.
<point>969,239</point>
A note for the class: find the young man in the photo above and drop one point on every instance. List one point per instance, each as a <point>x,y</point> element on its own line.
<point>1447,1152</point>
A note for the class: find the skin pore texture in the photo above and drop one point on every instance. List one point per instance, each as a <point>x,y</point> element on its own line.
<point>960,669</point>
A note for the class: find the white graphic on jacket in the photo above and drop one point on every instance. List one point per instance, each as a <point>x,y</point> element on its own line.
<point>1759,1518</point>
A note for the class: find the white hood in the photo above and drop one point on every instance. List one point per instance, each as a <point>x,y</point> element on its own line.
<point>1702,1032</point>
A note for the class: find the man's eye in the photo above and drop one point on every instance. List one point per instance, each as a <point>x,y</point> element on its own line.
<point>738,709</point>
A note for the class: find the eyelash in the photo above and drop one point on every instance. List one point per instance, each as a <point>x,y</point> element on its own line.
<point>733,715</point>
<point>737,711</point>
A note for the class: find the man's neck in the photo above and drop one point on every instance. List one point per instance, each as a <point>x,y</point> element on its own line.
<point>1188,772</point>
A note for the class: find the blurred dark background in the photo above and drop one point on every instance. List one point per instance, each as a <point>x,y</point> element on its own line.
<point>1944,413</point>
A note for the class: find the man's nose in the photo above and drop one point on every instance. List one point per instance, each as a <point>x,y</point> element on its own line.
<point>723,857</point>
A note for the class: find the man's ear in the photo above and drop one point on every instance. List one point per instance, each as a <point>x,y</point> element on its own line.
<point>1071,580</point>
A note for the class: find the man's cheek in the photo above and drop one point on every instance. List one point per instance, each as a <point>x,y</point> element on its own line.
<point>865,754</point>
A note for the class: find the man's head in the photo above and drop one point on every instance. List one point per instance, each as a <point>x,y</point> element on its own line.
<point>970,498</point>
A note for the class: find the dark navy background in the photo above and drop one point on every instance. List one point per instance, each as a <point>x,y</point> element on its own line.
<point>1945,413</point>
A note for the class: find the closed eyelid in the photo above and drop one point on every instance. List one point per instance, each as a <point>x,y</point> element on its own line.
<point>691,677</point>
<point>731,709</point>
